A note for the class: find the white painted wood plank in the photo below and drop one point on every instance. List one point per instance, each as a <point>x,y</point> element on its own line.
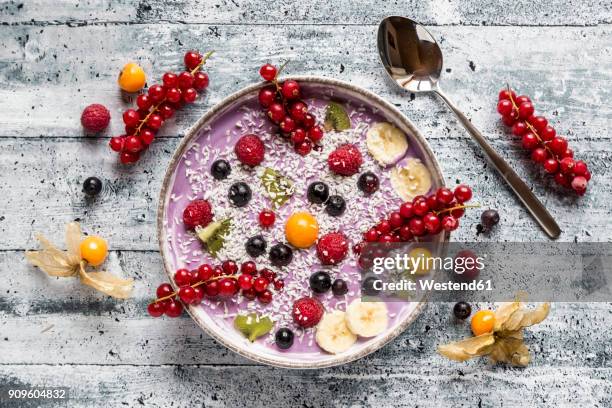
<point>50,74</point>
<point>472,12</point>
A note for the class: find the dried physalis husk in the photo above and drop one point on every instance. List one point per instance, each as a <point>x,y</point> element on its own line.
<point>56,262</point>
<point>505,343</point>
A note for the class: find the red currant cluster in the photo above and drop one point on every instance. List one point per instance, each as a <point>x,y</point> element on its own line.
<point>158,105</point>
<point>284,107</point>
<point>541,140</point>
<point>421,216</point>
<point>215,282</point>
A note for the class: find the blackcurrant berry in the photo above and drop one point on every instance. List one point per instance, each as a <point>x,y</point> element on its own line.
<point>318,192</point>
<point>339,287</point>
<point>367,286</point>
<point>368,182</point>
<point>256,246</point>
<point>284,338</point>
<point>220,169</point>
<point>320,282</point>
<point>462,310</point>
<point>92,186</point>
<point>240,194</point>
<point>281,255</point>
<point>489,218</point>
<point>335,206</point>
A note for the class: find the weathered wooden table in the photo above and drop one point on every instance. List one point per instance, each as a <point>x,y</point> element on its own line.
<point>58,56</point>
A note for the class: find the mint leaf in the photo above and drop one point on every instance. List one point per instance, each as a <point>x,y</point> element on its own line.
<point>278,187</point>
<point>213,235</point>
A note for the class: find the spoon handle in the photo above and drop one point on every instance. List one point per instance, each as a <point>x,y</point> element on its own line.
<point>522,191</point>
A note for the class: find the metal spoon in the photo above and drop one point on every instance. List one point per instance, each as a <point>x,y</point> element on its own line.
<point>413,59</point>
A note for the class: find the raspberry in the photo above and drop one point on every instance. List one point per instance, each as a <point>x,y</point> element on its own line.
<point>332,248</point>
<point>95,118</point>
<point>307,312</point>
<point>250,150</point>
<point>345,160</point>
<point>197,214</point>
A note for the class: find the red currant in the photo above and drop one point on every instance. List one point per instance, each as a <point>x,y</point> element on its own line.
<point>288,124</point>
<point>265,297</point>
<point>268,72</point>
<point>229,267</point>
<point>157,93</point>
<point>182,277</point>
<point>166,111</point>
<point>163,290</point>
<point>267,218</point>
<point>249,294</point>
<point>551,165</point>
<point>562,180</point>
<point>298,110</point>
<point>173,95</point>
<point>521,99</point>
<point>298,136</point>
<point>245,281</point>
<point>371,235</point>
<point>248,268</point>
<point>315,134</point>
<point>530,141</point>
<point>131,118</point>
<point>558,145</point>
<point>187,294</point>
<point>580,168</point>
<point>155,121</point>
<point>268,274</point>
<point>506,94</point>
<point>539,154</point>
<point>386,238</point>
<point>420,207</point>
<point>116,143</point>
<point>510,119</point>
<point>463,193</point>
<point>129,157</point>
<point>276,112</point>
<point>227,288</point>
<point>133,144</point>
<point>279,284</point>
<point>383,227</point>
<point>566,165</point>
<point>444,196</point>
<point>432,223</point>
<point>303,148</point>
<point>200,81</point>
<point>417,226</point>
<point>290,89</point>
<point>519,128</point>
<point>568,153</point>
<point>212,289</point>
<point>185,80</point>
<point>547,133</point>
<point>504,107</point>
<point>405,233</point>
<point>260,284</point>
<point>199,295</point>
<point>538,122</point>
<point>450,223</point>
<point>205,272</point>
<point>217,271</point>
<point>266,96</point>
<point>174,308</point>
<point>192,59</point>
<point>579,184</point>
<point>170,80</point>
<point>144,102</point>
<point>190,95</point>
<point>308,121</point>
<point>406,210</point>
<point>395,219</point>
<point>525,110</point>
<point>156,309</point>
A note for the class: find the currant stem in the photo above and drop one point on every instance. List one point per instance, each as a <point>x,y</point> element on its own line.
<point>457,207</point>
<point>201,64</point>
<point>195,285</point>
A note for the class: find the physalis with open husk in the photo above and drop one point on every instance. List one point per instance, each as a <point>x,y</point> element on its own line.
<point>505,342</point>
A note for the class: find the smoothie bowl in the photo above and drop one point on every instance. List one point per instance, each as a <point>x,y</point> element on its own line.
<point>293,221</point>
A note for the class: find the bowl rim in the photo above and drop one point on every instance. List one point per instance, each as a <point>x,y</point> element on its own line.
<point>193,131</point>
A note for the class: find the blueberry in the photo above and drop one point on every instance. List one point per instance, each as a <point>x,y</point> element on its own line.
<point>339,287</point>
<point>256,246</point>
<point>489,219</point>
<point>220,169</point>
<point>318,192</point>
<point>284,338</point>
<point>320,282</point>
<point>335,206</point>
<point>281,255</point>
<point>368,182</point>
<point>367,286</point>
<point>92,186</point>
<point>240,194</point>
<point>462,310</point>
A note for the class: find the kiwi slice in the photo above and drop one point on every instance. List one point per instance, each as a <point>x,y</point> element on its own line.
<point>336,117</point>
<point>253,326</point>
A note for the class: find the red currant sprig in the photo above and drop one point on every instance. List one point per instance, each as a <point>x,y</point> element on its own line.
<point>215,282</point>
<point>424,215</point>
<point>541,140</point>
<point>288,111</point>
<point>159,104</point>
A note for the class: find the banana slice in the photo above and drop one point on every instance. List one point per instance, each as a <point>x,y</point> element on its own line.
<point>333,335</point>
<point>367,319</point>
<point>386,143</point>
<point>411,179</point>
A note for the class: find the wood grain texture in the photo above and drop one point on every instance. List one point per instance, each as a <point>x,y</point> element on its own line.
<point>56,57</point>
<point>341,12</point>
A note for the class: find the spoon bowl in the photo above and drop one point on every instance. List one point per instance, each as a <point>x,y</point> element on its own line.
<point>412,58</point>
